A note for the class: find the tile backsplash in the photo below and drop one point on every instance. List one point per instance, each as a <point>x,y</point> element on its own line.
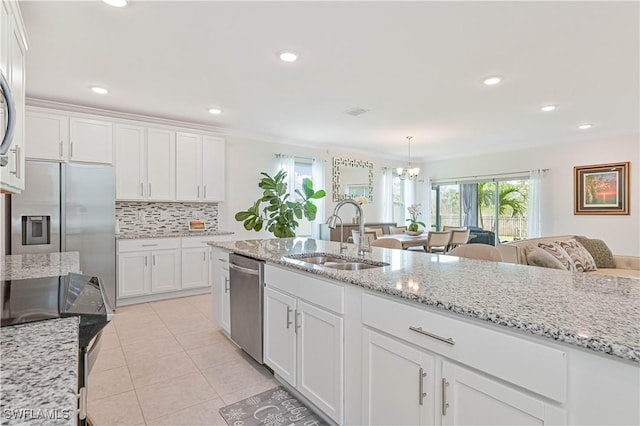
<point>138,216</point>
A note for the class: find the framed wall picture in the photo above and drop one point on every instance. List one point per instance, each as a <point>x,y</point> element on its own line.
<point>601,189</point>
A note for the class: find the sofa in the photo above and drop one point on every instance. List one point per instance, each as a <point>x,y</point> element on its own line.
<point>517,252</point>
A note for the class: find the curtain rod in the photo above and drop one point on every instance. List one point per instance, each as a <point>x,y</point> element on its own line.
<point>489,176</point>
<point>294,156</point>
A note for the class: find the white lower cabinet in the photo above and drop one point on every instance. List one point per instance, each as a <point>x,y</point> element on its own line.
<point>165,270</point>
<point>219,277</point>
<point>145,272</point>
<point>303,342</point>
<point>195,267</point>
<point>469,398</point>
<point>398,382</point>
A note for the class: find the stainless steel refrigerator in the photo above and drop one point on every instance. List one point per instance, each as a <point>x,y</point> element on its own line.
<point>68,207</point>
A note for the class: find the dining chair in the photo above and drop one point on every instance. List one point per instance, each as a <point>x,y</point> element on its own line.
<point>437,241</point>
<point>397,229</point>
<point>458,237</point>
<point>391,243</point>
<point>477,251</point>
<point>378,230</point>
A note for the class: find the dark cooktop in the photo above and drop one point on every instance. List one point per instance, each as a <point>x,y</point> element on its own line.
<point>38,299</point>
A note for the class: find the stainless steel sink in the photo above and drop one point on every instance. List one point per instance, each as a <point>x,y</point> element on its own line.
<point>334,262</point>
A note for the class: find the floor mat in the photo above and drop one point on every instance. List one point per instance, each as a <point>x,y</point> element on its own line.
<point>275,407</point>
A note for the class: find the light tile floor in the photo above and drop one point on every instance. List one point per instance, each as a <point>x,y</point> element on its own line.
<point>167,363</point>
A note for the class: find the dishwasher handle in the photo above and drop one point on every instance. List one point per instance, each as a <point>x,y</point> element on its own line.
<point>244,270</point>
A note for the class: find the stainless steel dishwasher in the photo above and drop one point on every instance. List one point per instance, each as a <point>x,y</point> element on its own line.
<point>245,287</point>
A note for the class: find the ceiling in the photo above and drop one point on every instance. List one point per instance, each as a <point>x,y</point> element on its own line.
<point>417,67</point>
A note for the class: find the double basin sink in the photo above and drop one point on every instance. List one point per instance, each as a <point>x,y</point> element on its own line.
<point>334,262</point>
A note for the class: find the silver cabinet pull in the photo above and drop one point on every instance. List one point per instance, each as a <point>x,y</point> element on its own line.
<point>226,285</point>
<point>71,150</point>
<point>141,189</point>
<point>153,256</point>
<point>289,310</point>
<point>205,191</point>
<point>204,256</point>
<point>60,148</point>
<point>447,340</point>
<point>15,151</point>
<point>198,188</point>
<point>145,261</point>
<point>222,260</point>
<point>445,404</point>
<point>18,160</point>
<point>149,189</point>
<point>421,391</point>
<point>149,245</point>
<point>298,320</point>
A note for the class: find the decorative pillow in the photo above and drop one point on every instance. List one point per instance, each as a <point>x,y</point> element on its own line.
<point>539,257</point>
<point>599,251</point>
<point>579,255</point>
<point>556,250</point>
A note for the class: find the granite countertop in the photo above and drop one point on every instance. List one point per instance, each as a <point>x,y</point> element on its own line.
<point>169,234</point>
<point>600,313</point>
<point>21,266</point>
<point>39,375</point>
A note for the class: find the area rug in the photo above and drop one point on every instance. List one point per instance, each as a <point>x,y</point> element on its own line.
<point>275,407</point>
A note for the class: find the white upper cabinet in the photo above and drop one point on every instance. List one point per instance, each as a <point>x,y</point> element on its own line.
<point>161,165</point>
<point>48,136</point>
<point>13,49</point>
<point>91,141</point>
<point>213,161</point>
<point>199,168</point>
<point>130,162</point>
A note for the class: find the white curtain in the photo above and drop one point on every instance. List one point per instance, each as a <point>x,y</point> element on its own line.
<point>534,207</point>
<point>288,164</point>
<point>317,172</point>
<point>426,204</point>
<point>386,195</point>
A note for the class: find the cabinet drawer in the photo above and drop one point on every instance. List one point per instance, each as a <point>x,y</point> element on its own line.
<point>202,241</point>
<point>322,293</point>
<point>148,244</point>
<point>533,366</point>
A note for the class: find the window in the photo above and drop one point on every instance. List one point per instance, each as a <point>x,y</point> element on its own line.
<point>495,205</point>
<point>303,168</point>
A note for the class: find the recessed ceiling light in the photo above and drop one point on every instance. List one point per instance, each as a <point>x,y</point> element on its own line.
<point>116,3</point>
<point>548,108</point>
<point>490,81</point>
<point>585,126</point>
<point>99,90</point>
<point>215,111</point>
<point>288,56</point>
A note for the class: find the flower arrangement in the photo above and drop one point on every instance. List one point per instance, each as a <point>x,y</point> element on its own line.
<point>414,212</point>
<point>361,199</point>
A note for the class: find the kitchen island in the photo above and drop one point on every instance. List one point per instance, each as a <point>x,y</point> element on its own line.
<point>544,331</point>
<point>39,374</point>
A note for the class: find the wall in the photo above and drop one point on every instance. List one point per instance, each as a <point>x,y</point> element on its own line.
<point>140,217</point>
<point>621,233</point>
<point>246,158</point>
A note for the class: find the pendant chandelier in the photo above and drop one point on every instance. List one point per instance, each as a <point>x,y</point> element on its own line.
<point>410,172</point>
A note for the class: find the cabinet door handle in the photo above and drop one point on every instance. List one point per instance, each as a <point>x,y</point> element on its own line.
<point>71,149</point>
<point>421,392</point>
<point>154,259</point>
<point>60,148</point>
<point>298,320</point>
<point>15,151</point>
<point>204,256</point>
<point>205,191</point>
<point>226,285</point>
<point>149,189</point>
<point>445,404</point>
<point>141,189</point>
<point>289,310</point>
<point>149,245</point>
<point>145,261</point>
<point>447,340</point>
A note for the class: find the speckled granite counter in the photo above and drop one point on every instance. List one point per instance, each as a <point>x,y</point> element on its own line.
<point>172,234</point>
<point>595,312</point>
<point>21,266</point>
<point>39,375</point>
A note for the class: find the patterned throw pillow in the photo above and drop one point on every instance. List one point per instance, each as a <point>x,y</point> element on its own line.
<point>539,257</point>
<point>599,250</point>
<point>559,253</point>
<point>579,255</point>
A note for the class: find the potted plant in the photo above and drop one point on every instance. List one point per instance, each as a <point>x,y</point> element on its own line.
<point>414,212</point>
<point>275,211</point>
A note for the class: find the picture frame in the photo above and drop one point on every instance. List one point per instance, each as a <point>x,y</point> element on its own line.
<point>601,189</point>
<point>197,225</point>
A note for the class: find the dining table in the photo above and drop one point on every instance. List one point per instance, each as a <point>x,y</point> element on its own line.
<point>408,240</point>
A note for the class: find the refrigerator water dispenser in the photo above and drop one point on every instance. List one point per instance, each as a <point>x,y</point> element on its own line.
<point>36,230</point>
